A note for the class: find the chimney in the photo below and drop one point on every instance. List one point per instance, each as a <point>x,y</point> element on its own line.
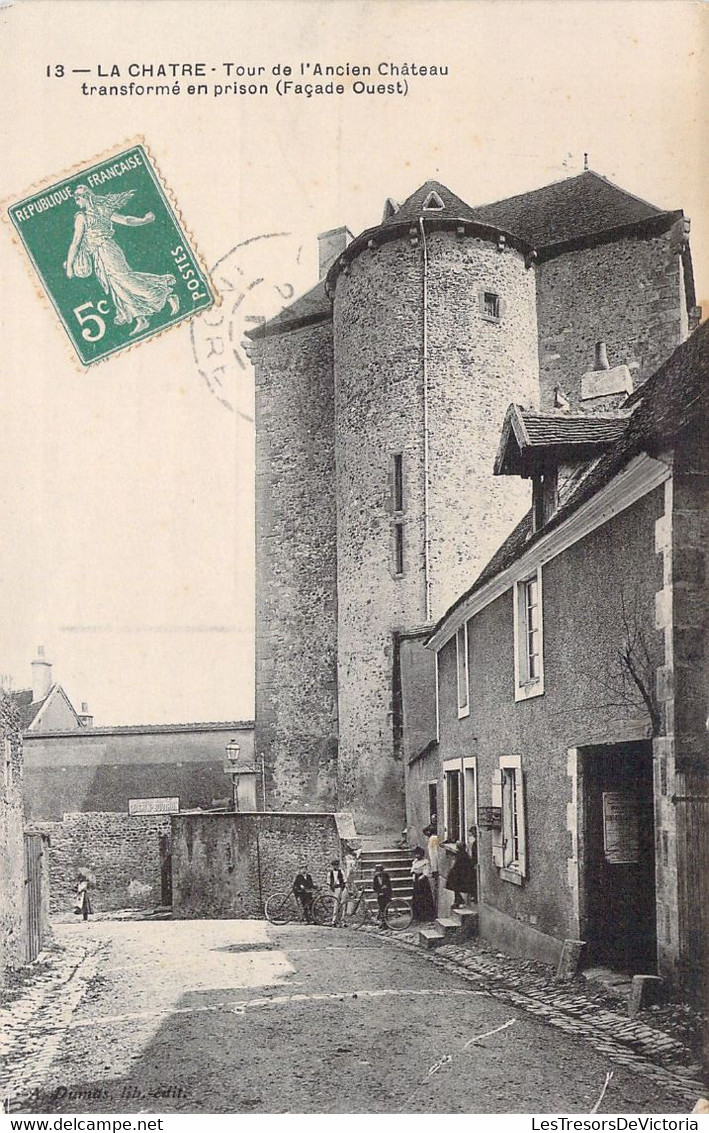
<point>41,676</point>
<point>332,244</point>
<point>601,362</point>
<point>85,717</point>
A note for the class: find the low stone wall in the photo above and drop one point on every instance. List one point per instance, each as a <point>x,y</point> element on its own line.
<point>12,849</point>
<point>121,851</point>
<point>225,865</point>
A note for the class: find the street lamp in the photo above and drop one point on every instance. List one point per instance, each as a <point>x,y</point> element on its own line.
<point>232,754</point>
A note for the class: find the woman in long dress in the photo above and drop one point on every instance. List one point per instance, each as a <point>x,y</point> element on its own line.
<point>136,295</point>
<point>462,876</point>
<point>422,904</point>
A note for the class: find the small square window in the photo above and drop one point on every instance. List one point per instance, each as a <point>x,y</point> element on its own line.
<point>491,304</point>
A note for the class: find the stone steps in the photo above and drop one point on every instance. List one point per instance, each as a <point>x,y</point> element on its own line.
<point>397,863</point>
<point>460,924</point>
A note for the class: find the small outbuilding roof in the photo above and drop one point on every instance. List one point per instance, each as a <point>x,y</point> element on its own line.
<point>530,438</point>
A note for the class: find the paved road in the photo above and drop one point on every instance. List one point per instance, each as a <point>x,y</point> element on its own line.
<point>239,1016</point>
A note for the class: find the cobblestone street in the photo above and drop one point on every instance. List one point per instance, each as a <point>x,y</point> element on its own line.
<point>240,1016</point>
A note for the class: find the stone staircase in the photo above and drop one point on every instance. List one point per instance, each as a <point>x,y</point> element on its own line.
<point>459,924</point>
<point>397,863</point>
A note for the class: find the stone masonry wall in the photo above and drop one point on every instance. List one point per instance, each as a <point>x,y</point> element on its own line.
<point>690,687</point>
<point>120,850</point>
<point>296,598</point>
<point>12,859</point>
<point>629,294</point>
<point>475,367</point>
<point>226,865</point>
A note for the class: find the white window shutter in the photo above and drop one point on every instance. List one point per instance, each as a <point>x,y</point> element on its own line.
<point>521,826</point>
<point>497,841</point>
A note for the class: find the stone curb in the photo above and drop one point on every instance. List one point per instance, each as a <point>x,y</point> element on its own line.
<point>609,1033</point>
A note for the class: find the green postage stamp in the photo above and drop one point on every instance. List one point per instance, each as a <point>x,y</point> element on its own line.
<point>112,254</point>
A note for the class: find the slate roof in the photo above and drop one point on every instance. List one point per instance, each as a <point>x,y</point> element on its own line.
<point>570,211</point>
<point>674,397</point>
<point>313,307</point>
<point>28,708</point>
<point>412,207</point>
<point>566,210</point>
<point>528,436</point>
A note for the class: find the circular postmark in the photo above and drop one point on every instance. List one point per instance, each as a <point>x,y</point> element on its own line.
<point>255,280</point>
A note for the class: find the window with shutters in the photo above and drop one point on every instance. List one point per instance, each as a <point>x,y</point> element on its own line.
<point>529,637</point>
<point>509,840</point>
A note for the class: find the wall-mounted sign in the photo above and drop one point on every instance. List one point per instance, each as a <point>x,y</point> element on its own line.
<point>490,817</point>
<point>153,806</point>
<point>621,827</point>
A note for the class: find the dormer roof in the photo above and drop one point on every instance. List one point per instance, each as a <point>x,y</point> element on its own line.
<point>531,441</point>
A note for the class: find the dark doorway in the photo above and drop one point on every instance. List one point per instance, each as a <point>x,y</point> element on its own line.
<point>433,802</point>
<point>165,870</point>
<point>619,856</point>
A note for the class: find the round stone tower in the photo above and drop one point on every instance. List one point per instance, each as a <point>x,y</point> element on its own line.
<point>434,319</point>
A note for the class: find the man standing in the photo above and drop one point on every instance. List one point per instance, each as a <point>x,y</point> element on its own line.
<point>304,888</point>
<point>381,884</point>
<point>336,881</point>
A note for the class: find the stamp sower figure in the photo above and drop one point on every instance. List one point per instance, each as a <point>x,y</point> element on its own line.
<point>336,882</point>
<point>422,903</point>
<point>381,884</point>
<point>82,904</point>
<point>304,888</point>
<point>135,294</point>
<point>462,876</point>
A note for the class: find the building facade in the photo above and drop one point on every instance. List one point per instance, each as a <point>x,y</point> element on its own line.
<point>379,400</point>
<point>573,684</point>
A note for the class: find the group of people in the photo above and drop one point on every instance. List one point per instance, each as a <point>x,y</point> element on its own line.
<point>461,879</point>
<point>304,889</point>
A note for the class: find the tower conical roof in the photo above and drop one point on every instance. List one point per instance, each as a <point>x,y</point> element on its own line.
<point>435,199</point>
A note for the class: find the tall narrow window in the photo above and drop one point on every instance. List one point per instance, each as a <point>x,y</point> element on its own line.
<point>398,481</point>
<point>461,645</point>
<point>398,548</point>
<point>509,841</point>
<point>528,633</point>
<point>453,819</point>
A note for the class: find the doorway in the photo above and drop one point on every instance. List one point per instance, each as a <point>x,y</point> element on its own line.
<point>165,871</point>
<point>617,856</point>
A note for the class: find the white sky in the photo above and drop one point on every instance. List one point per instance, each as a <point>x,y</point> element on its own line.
<point>125,514</point>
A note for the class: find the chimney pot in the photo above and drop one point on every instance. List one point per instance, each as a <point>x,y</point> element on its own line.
<point>41,676</point>
<point>601,362</point>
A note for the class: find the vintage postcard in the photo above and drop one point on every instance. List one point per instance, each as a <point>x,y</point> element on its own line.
<point>353,634</point>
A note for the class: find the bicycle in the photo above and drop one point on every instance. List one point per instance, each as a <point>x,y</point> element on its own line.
<point>282,907</point>
<point>355,912</point>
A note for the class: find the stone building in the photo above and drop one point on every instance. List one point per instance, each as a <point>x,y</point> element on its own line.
<point>573,685</point>
<point>380,395</point>
<point>72,766</point>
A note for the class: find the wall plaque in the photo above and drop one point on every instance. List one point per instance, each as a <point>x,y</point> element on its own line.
<point>621,840</point>
<point>154,806</point>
